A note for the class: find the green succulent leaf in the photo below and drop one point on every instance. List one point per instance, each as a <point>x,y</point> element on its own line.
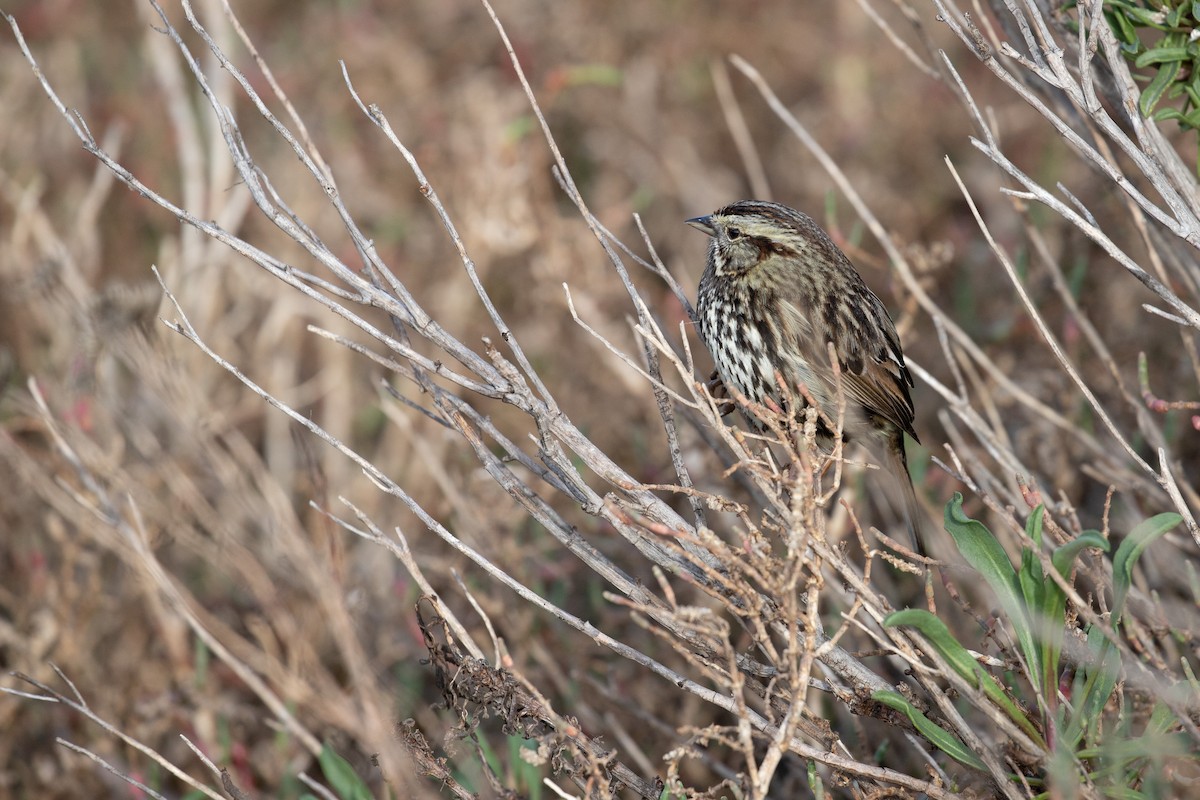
<point>1049,612</point>
<point>1158,86</point>
<point>1167,54</point>
<point>938,736</point>
<point>1045,606</point>
<point>957,656</point>
<point>982,551</point>
<point>1124,30</point>
<point>342,777</point>
<point>940,637</point>
<point>1093,686</point>
<point>1157,36</point>
<point>1145,17</point>
<point>1189,121</point>
<point>1130,550</point>
<point>1064,557</point>
<point>980,548</point>
<point>1175,15</point>
<point>1033,526</point>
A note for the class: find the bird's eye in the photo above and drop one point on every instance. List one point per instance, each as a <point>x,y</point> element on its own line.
<point>733,233</point>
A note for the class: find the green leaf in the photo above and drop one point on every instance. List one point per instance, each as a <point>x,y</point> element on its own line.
<point>980,548</point>
<point>1190,120</point>
<point>1146,17</point>
<point>1162,55</point>
<point>1175,15</point>
<point>1041,598</point>
<point>1064,557</point>
<point>962,662</point>
<point>938,736</point>
<point>1099,674</point>
<point>1062,775</point>
<point>1124,30</point>
<point>983,552</point>
<point>1129,552</point>
<point>815,784</point>
<point>1093,686</point>
<point>940,637</point>
<point>1162,719</point>
<point>1189,675</point>
<point>1121,750</point>
<point>528,775</point>
<point>1033,526</point>
<point>1154,90</point>
<point>1049,614</point>
<point>341,776</point>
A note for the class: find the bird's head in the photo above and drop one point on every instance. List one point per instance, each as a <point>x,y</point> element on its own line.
<point>752,232</point>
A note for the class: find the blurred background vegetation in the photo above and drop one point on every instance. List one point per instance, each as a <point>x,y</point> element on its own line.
<point>224,483</point>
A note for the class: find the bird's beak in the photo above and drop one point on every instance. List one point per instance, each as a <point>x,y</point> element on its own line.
<point>704,224</point>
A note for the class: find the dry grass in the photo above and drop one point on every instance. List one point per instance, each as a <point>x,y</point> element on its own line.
<point>179,550</point>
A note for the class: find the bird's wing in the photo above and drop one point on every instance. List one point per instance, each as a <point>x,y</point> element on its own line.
<point>868,350</point>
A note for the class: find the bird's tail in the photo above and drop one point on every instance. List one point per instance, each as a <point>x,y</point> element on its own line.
<point>898,464</point>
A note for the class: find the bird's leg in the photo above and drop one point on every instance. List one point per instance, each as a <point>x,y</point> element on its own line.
<point>720,393</point>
